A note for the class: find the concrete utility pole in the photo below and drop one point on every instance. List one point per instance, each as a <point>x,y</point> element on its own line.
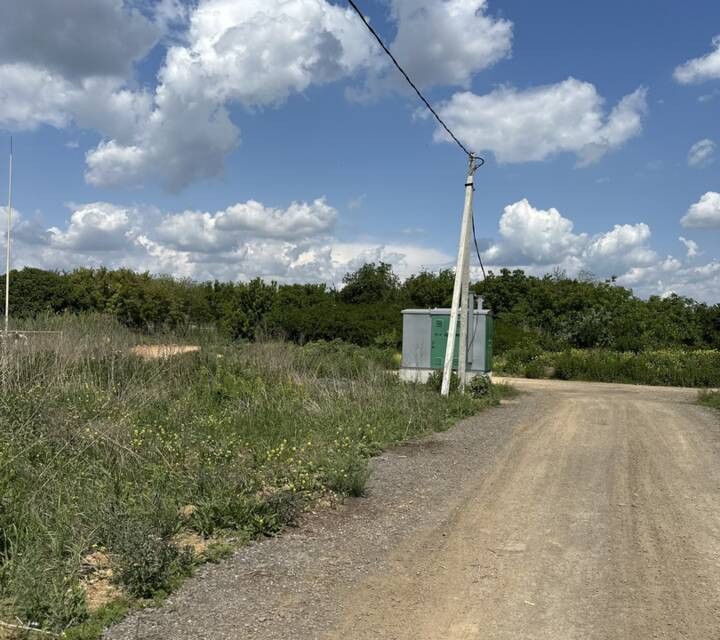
<point>7,258</point>
<point>460,290</point>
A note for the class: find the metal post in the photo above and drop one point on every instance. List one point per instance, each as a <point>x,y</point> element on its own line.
<point>465,312</point>
<point>459,277</point>
<point>7,259</point>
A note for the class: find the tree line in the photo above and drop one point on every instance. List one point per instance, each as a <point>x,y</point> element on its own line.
<point>552,312</point>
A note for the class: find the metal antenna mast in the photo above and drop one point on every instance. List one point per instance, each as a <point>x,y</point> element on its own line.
<point>7,257</point>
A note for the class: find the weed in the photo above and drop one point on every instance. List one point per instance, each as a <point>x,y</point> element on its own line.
<point>102,449</point>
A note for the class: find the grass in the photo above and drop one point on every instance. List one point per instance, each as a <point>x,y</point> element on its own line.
<point>710,399</point>
<point>106,455</point>
<point>676,367</point>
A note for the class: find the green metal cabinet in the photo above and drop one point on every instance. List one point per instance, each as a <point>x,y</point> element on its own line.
<point>438,342</point>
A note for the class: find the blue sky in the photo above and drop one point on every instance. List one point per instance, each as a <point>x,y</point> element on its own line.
<point>220,139</point>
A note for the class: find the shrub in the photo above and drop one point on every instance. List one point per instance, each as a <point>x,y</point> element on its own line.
<point>479,386</point>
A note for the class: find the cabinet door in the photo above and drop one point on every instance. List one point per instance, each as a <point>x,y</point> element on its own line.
<point>438,343</point>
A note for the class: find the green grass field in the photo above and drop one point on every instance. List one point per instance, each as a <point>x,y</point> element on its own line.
<point>109,462</point>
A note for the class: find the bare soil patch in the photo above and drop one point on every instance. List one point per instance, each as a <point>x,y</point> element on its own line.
<point>161,351</point>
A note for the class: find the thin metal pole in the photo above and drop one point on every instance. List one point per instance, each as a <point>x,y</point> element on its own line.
<point>459,277</point>
<point>7,258</point>
<point>465,312</point>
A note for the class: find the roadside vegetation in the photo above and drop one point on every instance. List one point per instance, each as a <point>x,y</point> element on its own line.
<point>668,367</point>
<point>710,399</point>
<point>119,472</point>
<point>551,326</point>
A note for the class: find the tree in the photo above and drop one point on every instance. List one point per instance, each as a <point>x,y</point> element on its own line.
<point>370,283</point>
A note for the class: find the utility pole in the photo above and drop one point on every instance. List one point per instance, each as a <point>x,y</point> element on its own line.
<point>7,258</point>
<point>460,290</point>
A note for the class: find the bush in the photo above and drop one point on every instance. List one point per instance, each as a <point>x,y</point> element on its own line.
<point>479,386</point>
<point>666,368</point>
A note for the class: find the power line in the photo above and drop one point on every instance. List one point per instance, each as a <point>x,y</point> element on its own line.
<point>477,249</point>
<point>410,82</point>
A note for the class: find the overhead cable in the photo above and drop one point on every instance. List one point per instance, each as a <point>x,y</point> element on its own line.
<point>409,81</point>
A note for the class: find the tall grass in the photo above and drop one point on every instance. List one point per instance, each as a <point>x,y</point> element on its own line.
<point>670,367</point>
<point>102,451</point>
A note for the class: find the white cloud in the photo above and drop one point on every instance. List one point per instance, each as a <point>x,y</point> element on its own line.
<point>405,258</point>
<point>669,276</point>
<point>221,53</point>
<point>254,53</point>
<point>532,125</point>
<point>705,213</point>
<point>702,153</point>
<point>227,229</point>
<point>691,247</point>
<point>624,245</point>
<point>31,96</point>
<point>706,67</point>
<point>440,43</point>
<point>243,241</point>
<point>94,227</point>
<point>533,235</point>
<point>546,239</point>
<point>541,241</point>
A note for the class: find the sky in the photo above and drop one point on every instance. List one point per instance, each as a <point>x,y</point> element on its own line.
<point>230,139</point>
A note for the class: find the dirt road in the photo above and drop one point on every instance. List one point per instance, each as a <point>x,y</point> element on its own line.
<point>579,511</point>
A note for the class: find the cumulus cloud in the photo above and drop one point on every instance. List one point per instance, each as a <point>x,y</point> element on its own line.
<point>440,43</point>
<point>534,124</point>
<point>540,241</point>
<point>706,67</point>
<point>254,53</point>
<point>546,239</point>
<point>205,232</point>
<point>704,214</point>
<point>80,38</point>
<point>94,227</point>
<point>243,241</point>
<point>668,276</point>
<point>702,153</point>
<point>530,235</point>
<point>220,53</point>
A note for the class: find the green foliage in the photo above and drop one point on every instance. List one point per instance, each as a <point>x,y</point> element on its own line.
<point>479,386</point>
<point>100,449</point>
<point>552,312</point>
<point>428,290</point>
<point>435,379</point>
<point>146,562</point>
<point>371,283</point>
<point>668,367</point>
<point>710,399</point>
